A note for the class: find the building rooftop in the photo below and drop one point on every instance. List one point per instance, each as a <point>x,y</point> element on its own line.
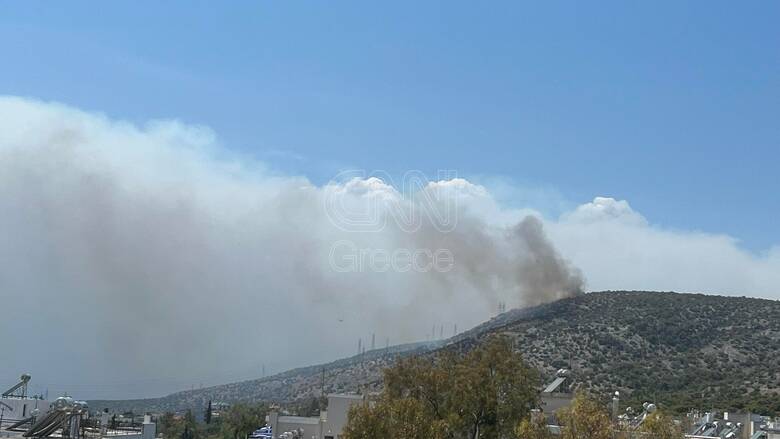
<point>299,420</point>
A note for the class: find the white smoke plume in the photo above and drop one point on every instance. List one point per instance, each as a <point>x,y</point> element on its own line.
<point>144,259</point>
<point>619,249</point>
<point>135,261</point>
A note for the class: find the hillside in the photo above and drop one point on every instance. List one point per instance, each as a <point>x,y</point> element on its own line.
<point>682,350</point>
<point>299,384</point>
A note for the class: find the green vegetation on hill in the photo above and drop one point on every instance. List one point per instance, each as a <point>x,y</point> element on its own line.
<point>297,387</point>
<point>681,350</point>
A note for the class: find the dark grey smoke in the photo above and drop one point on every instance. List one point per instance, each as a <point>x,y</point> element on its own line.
<point>546,274</point>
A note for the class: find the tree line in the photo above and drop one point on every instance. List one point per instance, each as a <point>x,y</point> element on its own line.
<point>236,422</point>
<point>487,393</point>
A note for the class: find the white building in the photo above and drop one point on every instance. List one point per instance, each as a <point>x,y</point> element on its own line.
<point>329,425</point>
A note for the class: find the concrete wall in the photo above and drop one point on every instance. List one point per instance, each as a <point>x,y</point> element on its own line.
<point>310,426</point>
<point>328,426</point>
<point>338,409</point>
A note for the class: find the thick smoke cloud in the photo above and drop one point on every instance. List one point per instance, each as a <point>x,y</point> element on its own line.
<point>137,261</point>
<point>619,249</point>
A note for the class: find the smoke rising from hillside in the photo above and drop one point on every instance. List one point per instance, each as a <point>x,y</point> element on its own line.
<point>133,253</point>
<point>135,261</point>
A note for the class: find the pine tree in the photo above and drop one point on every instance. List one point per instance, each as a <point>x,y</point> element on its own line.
<point>207,415</point>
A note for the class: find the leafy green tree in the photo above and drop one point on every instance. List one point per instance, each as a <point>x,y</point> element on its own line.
<point>170,427</point>
<point>366,422</point>
<point>424,381</point>
<point>482,394</point>
<point>242,419</point>
<point>213,430</point>
<point>660,426</point>
<point>585,419</point>
<point>533,429</point>
<point>404,418</point>
<point>494,389</point>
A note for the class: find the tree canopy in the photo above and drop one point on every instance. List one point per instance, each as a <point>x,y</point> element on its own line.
<point>481,394</point>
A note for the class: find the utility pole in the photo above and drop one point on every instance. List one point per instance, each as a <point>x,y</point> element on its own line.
<point>322,384</point>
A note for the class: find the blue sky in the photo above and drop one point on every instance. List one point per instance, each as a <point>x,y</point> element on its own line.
<point>672,106</point>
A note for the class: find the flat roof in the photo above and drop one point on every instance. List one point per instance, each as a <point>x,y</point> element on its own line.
<point>299,420</point>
